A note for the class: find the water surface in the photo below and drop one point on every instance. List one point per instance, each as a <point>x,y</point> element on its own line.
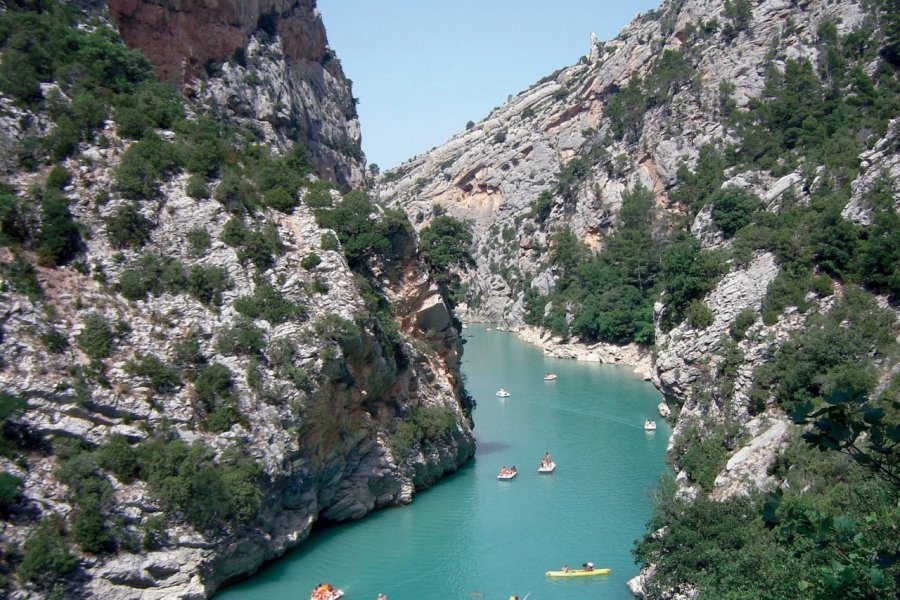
<point>474,533</point>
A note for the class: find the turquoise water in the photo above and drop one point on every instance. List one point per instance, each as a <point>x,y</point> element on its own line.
<point>475,533</point>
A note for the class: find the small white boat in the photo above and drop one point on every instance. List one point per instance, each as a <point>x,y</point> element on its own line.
<point>501,393</point>
<point>507,475</point>
<point>550,377</point>
<point>547,467</point>
<point>488,329</point>
<point>649,425</point>
<point>465,325</point>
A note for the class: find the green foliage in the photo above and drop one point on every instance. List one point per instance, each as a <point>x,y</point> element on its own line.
<point>267,303</point>
<point>244,338</point>
<point>834,353</point>
<point>742,322</point>
<point>732,208</point>
<point>234,232</point>
<point>196,187</point>
<point>207,283</point>
<point>541,207</point>
<point>310,261</point>
<point>698,315</point>
<point>46,555</point>
<point>54,341</point>
<point>13,226</point>
<point>446,243</point>
<point>119,457</point>
<point>199,240</point>
<point>59,239</point>
<point>210,493</point>
<point>162,377</point>
<point>236,194</point>
<point>688,273</point>
<point>152,274</point>
<point>92,495</point>
<point>318,194</point>
<point>625,110</point>
<point>58,177</point>
<point>261,245</point>
<point>128,228</point>
<point>96,340</point>
<point>422,424</point>
<point>10,492</point>
<point>215,391</point>
<point>20,277</point>
<point>359,234</point>
<point>143,166</point>
<point>330,242</point>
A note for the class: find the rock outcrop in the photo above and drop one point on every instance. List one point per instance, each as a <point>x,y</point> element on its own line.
<point>264,62</point>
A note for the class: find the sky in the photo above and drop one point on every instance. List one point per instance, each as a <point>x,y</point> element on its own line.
<point>422,69</point>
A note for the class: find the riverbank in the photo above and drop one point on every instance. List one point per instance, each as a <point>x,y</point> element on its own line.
<point>640,359</point>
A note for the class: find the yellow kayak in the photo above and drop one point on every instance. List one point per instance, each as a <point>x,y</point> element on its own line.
<point>578,573</point>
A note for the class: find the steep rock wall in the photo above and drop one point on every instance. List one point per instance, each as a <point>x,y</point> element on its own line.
<point>265,61</point>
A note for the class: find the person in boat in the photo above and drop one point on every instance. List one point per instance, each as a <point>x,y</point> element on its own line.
<point>565,569</point>
<point>588,566</point>
<point>504,470</point>
<point>513,470</point>
<point>547,459</point>
<point>381,597</point>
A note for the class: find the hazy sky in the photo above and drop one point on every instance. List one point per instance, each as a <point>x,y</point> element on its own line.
<point>423,68</point>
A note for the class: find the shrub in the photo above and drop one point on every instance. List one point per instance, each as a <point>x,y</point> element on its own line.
<point>310,261</point>
<point>199,241</point>
<point>211,494</point>
<point>128,228</point>
<point>215,391</point>
<point>267,303</point>
<point>143,165</point>
<point>96,340</point>
<point>20,277</point>
<point>243,338</point>
<point>152,274</point>
<point>281,199</point>
<point>421,424</point>
<point>119,457</point>
<point>58,177</point>
<point>318,194</point>
<point>54,341</point>
<point>330,242</point>
<point>162,377</point>
<point>237,195</point>
<point>742,322</point>
<point>732,209</point>
<point>234,232</point>
<point>260,244</point>
<point>46,556</point>
<point>188,351</point>
<point>207,283</point>
<point>196,187</point>
<point>10,492</point>
<point>59,239</point>
<point>698,315</point>
<point>13,227</point>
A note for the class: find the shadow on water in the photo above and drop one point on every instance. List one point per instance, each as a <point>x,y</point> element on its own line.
<point>484,448</point>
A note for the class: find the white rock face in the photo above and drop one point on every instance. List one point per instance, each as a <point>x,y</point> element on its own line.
<point>748,468</point>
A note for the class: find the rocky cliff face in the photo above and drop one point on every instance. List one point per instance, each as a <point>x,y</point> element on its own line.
<point>493,172</point>
<point>262,62</point>
<point>559,145</point>
<point>312,399</point>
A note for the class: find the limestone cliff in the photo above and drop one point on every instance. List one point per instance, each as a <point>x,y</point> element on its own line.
<point>188,316</point>
<point>640,110</point>
<point>267,62</point>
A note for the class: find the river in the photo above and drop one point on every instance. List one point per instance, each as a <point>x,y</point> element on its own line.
<point>472,532</point>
